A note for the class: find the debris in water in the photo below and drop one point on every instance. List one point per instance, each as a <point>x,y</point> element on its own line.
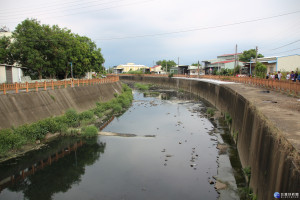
<point>169,155</point>
<point>193,165</point>
<point>164,150</point>
<point>165,164</point>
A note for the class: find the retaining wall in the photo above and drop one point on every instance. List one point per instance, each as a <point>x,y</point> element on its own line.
<point>273,169</point>
<point>18,109</point>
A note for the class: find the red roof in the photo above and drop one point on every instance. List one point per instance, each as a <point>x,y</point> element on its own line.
<point>226,61</point>
<point>231,54</point>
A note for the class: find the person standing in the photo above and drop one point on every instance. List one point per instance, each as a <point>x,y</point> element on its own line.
<point>288,76</point>
<point>292,76</point>
<point>296,76</point>
<point>279,75</point>
<point>276,76</point>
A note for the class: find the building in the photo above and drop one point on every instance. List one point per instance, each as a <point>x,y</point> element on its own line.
<point>4,31</point>
<point>277,63</point>
<point>193,70</point>
<point>226,61</point>
<point>157,69</point>
<point>130,67</point>
<point>11,73</point>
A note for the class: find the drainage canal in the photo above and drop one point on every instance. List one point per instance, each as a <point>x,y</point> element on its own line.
<point>163,147</point>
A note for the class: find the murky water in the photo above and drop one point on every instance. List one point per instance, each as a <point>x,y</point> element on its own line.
<point>177,163</point>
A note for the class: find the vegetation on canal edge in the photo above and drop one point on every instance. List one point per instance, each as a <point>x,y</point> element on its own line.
<point>210,112</point>
<point>142,87</point>
<point>71,123</point>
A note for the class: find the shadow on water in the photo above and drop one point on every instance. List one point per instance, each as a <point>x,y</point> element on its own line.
<point>232,153</point>
<point>52,169</point>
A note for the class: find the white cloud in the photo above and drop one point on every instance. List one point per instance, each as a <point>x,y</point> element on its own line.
<point>108,19</point>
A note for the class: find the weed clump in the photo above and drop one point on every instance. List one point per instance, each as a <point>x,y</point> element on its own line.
<point>89,131</point>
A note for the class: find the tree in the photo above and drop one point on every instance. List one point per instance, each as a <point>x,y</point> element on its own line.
<point>246,55</point>
<point>166,65</point>
<point>196,64</point>
<point>31,46</point>
<point>5,51</point>
<point>260,70</point>
<point>49,51</point>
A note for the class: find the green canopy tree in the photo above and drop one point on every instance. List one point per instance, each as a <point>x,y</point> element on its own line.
<point>31,46</point>
<point>260,70</point>
<point>166,65</point>
<point>246,55</point>
<point>5,51</point>
<point>49,51</point>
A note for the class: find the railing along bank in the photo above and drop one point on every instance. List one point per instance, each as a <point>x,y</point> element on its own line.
<point>288,86</point>
<point>16,87</point>
<point>275,85</point>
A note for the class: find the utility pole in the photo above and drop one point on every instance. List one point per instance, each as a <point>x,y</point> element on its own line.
<point>178,61</point>
<point>235,56</point>
<point>256,49</point>
<point>166,66</point>
<point>198,70</point>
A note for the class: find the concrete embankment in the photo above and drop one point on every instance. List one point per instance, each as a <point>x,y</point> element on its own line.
<point>18,109</point>
<point>264,124</point>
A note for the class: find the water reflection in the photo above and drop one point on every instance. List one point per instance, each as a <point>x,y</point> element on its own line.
<point>40,174</point>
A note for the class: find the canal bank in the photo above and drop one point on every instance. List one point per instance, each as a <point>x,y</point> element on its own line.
<point>171,164</point>
<point>18,109</point>
<point>266,146</point>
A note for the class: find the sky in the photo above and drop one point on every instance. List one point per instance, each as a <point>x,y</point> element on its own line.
<point>145,31</point>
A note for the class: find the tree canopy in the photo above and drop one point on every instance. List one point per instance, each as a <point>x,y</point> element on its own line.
<point>166,65</point>
<point>49,51</point>
<point>195,64</point>
<point>246,55</point>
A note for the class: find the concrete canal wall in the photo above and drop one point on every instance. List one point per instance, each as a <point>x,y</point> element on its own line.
<point>18,109</point>
<point>273,159</point>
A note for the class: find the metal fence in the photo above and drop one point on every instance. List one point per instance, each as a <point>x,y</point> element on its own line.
<point>37,86</point>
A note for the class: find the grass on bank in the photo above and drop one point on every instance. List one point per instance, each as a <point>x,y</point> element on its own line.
<point>71,123</point>
<point>142,87</point>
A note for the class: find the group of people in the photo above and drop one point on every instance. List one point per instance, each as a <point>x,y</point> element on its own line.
<point>289,76</point>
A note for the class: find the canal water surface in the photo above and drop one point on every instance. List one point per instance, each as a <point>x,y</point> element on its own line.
<point>173,155</point>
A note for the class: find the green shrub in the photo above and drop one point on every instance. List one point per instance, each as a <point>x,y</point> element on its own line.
<point>72,118</point>
<point>10,140</point>
<point>126,88</point>
<point>140,86</point>
<point>171,75</point>
<point>210,112</point>
<point>86,115</point>
<point>228,118</point>
<point>117,108</point>
<point>86,122</point>
<point>89,131</point>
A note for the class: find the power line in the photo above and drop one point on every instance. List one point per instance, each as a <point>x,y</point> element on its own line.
<point>286,45</point>
<point>41,6</point>
<point>107,8</point>
<point>200,29</point>
<point>50,11</point>
<point>287,51</point>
